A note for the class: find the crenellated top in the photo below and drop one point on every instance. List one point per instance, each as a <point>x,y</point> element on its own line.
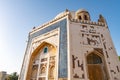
<point>79,16</point>
<point>88,22</point>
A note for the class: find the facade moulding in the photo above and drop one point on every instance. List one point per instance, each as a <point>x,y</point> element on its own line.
<point>50,23</point>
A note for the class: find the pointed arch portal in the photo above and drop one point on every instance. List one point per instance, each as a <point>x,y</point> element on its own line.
<point>96,66</point>
<point>42,60</point>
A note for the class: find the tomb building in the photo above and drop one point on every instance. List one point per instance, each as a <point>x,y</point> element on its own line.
<point>71,47</point>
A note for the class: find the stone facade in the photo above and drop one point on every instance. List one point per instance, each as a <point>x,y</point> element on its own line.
<point>71,47</point>
<point>3,75</point>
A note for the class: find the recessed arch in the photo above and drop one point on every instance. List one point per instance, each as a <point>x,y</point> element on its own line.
<point>94,59</point>
<point>51,72</point>
<point>85,17</point>
<point>79,17</point>
<point>37,53</point>
<point>41,45</point>
<point>96,66</point>
<point>43,70</point>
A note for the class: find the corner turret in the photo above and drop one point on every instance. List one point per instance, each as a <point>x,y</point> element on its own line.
<point>101,19</point>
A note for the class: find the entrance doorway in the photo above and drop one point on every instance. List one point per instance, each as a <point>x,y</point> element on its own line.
<point>96,69</point>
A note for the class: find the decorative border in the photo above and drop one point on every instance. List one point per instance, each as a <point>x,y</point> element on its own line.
<point>62,70</point>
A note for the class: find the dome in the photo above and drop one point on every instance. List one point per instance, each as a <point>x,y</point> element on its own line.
<point>60,14</point>
<point>81,10</point>
<point>82,14</point>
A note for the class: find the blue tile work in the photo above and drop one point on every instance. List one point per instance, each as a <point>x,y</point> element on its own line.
<point>63,51</point>
<point>62,47</point>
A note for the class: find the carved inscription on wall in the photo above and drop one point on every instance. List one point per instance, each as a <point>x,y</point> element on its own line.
<point>91,39</point>
<point>78,67</point>
<point>85,29</point>
<point>90,36</point>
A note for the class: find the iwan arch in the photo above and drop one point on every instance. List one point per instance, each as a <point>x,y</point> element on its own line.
<point>71,47</point>
<point>46,53</point>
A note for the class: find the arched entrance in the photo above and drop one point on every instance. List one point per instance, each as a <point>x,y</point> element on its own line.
<point>96,66</point>
<point>42,63</point>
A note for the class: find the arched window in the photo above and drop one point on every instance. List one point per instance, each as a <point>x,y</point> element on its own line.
<point>93,59</point>
<point>45,49</point>
<point>85,17</point>
<point>79,17</point>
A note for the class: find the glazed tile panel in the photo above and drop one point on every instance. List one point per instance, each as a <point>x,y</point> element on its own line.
<point>62,72</point>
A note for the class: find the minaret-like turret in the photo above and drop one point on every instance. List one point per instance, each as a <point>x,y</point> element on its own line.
<point>101,19</point>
